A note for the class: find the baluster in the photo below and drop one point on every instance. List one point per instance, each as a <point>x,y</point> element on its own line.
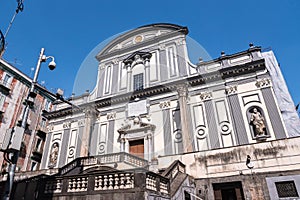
<point>100,182</point>
<point>96,183</point>
<point>151,182</point>
<point>122,185</point>
<point>111,182</point>
<point>105,182</point>
<point>128,181</point>
<point>116,181</point>
<point>78,184</point>
<point>58,186</point>
<point>147,182</point>
<point>73,185</point>
<point>84,184</point>
<point>132,180</point>
<point>70,184</point>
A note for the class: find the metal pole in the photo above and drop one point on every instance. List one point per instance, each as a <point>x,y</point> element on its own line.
<point>34,81</point>
<point>14,159</point>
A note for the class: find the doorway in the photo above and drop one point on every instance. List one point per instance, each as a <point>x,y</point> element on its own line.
<point>136,148</point>
<point>228,191</point>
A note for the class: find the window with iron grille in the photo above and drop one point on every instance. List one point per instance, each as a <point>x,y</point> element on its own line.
<point>138,82</point>
<point>286,189</point>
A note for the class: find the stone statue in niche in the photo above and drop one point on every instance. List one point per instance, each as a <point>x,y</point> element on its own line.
<point>258,123</point>
<point>53,155</point>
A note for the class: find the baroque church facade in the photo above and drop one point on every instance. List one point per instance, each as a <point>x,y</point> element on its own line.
<point>157,125</point>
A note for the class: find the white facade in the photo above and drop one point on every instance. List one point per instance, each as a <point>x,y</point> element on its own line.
<point>180,108</point>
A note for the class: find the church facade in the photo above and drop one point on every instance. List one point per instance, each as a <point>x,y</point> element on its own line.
<point>228,124</point>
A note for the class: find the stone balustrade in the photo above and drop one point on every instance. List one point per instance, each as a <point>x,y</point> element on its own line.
<point>53,186</point>
<point>157,183</point>
<point>151,182</point>
<point>114,181</point>
<point>134,160</point>
<point>78,184</point>
<point>105,159</point>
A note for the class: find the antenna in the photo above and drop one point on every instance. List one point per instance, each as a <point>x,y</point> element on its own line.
<point>20,8</point>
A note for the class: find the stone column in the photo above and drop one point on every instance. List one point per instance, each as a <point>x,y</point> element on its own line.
<point>146,148</point>
<point>122,144</point>
<point>90,117</point>
<point>182,94</point>
<point>129,77</point>
<point>150,147</point>
<point>126,146</point>
<point>147,72</point>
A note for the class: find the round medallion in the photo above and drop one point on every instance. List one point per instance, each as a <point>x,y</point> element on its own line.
<point>177,136</point>
<point>138,39</point>
<point>225,128</point>
<point>201,132</point>
<point>101,148</point>
<point>71,152</point>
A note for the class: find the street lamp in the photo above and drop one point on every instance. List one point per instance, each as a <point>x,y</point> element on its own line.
<point>18,132</point>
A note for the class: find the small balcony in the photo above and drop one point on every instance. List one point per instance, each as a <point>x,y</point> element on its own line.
<point>36,155</point>
<point>5,87</point>
<point>41,132</point>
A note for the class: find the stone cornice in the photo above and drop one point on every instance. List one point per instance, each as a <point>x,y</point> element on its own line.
<point>168,87</point>
<point>174,31</point>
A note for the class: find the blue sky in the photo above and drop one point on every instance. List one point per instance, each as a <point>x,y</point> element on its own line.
<point>70,30</point>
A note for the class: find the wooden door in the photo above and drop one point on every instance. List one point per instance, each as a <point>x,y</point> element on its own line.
<point>136,148</point>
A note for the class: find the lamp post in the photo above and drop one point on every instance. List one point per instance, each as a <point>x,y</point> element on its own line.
<point>16,138</point>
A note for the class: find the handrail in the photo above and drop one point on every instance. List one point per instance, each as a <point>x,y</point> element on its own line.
<point>105,159</point>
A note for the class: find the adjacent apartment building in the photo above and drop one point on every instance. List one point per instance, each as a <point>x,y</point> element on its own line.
<point>14,88</point>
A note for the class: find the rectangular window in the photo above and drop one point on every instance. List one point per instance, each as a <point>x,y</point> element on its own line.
<point>47,105</point>
<point>43,123</point>
<point>138,82</point>
<point>108,76</point>
<point>286,189</point>
<point>6,79</point>
<point>2,100</point>
<point>38,145</point>
<point>187,195</point>
<point>33,166</point>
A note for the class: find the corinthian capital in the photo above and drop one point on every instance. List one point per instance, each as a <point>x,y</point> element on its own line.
<point>182,90</point>
<point>91,112</point>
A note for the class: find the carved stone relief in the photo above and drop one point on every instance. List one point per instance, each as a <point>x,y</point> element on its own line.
<point>204,96</point>
<point>67,125</point>
<point>231,90</point>
<point>50,128</point>
<point>111,116</point>
<point>265,82</point>
<point>81,122</point>
<point>165,104</point>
